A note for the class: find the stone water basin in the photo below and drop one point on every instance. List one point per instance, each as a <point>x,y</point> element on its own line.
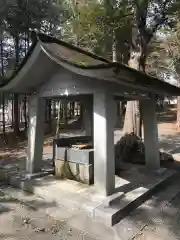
<point>76,155</point>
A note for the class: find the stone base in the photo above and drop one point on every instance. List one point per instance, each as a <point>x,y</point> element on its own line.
<point>109,210</point>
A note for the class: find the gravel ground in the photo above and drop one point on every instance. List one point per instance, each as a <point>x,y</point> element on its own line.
<point>156,219</point>
<point>17,221</point>
<point>165,226</point>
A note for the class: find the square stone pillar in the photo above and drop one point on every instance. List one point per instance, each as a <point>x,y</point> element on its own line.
<point>88,116</point>
<point>148,108</point>
<point>35,134</point>
<point>104,114</point>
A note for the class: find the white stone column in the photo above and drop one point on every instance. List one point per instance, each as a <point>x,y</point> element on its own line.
<point>35,134</point>
<point>148,108</point>
<point>88,116</point>
<point>104,114</point>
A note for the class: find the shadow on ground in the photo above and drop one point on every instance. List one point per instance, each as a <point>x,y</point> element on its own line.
<point>34,204</point>
<point>157,218</point>
<point>170,143</point>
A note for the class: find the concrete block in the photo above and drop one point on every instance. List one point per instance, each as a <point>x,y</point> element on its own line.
<point>85,173</point>
<point>25,185</point>
<point>104,214</point>
<point>58,168</point>
<point>112,198</point>
<point>89,207</point>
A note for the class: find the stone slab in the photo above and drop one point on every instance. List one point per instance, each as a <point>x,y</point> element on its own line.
<point>80,156</point>
<point>83,156</point>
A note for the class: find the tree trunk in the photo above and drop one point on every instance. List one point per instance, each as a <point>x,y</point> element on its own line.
<point>16,99</point>
<point>25,113</point>
<point>3,95</point>
<point>73,109</point>
<point>12,111</point>
<point>16,114</point>
<point>129,121</point>
<point>58,120</point>
<point>49,114</point>
<point>110,38</point>
<point>21,112</point>
<point>133,122</point>
<point>3,113</point>
<point>54,109</point>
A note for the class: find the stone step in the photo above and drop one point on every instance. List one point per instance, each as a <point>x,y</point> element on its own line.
<point>47,188</point>
<point>121,208</point>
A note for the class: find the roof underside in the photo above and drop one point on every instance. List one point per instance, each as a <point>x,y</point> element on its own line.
<point>47,53</point>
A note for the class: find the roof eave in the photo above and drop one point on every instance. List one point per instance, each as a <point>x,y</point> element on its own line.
<point>23,70</point>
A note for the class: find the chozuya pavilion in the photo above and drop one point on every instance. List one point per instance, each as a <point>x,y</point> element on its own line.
<point>55,69</point>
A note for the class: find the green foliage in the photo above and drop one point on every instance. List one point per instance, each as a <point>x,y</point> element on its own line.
<point>92,26</point>
<point>158,63</point>
<point>25,15</point>
<point>84,29</point>
<point>173,48</point>
<point>164,57</point>
<point>18,18</point>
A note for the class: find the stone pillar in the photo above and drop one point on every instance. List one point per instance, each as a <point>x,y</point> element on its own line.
<point>35,134</point>
<point>104,114</point>
<point>148,108</point>
<point>88,116</point>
